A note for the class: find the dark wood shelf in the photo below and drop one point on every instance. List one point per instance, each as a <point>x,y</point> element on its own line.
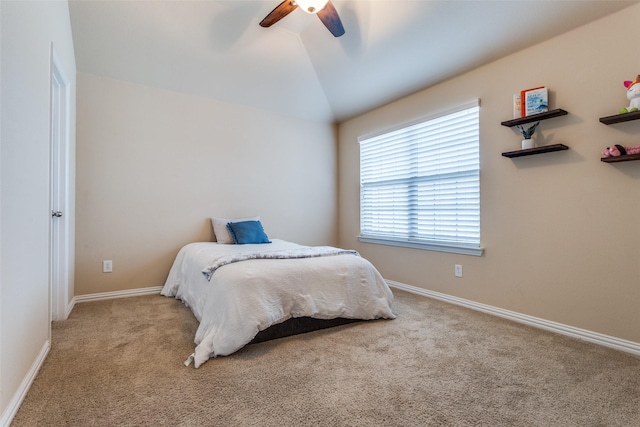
<point>627,158</point>
<point>619,118</point>
<point>535,117</point>
<point>535,150</point>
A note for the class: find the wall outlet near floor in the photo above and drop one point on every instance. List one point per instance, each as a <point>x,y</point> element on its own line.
<point>107,266</point>
<point>458,270</point>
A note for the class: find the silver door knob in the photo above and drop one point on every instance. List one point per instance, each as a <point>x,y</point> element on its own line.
<point>56,214</point>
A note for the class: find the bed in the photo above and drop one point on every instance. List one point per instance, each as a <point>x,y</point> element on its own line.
<point>238,290</point>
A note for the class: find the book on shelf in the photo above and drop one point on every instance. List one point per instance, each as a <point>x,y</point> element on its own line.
<point>517,106</point>
<point>536,101</point>
<point>523,99</point>
<point>530,101</point>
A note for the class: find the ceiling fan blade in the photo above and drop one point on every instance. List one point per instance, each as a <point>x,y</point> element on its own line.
<point>282,10</point>
<point>329,17</point>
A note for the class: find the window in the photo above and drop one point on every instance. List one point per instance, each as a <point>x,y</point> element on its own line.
<point>420,183</point>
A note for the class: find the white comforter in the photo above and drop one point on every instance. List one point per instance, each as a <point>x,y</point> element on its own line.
<point>243,298</point>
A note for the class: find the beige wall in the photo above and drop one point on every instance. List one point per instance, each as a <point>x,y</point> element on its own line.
<point>27,31</point>
<point>154,166</point>
<point>560,230</point>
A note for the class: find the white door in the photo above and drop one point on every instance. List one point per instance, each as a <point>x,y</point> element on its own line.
<point>59,234</point>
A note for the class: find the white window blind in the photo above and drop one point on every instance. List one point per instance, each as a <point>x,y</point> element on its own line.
<point>420,183</point>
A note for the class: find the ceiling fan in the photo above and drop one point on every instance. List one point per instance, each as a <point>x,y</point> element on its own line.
<point>323,8</point>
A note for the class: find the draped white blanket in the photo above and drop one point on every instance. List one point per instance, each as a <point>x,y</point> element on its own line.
<point>243,298</point>
<point>301,252</point>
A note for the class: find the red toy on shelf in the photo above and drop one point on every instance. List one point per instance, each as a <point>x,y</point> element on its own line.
<point>619,150</point>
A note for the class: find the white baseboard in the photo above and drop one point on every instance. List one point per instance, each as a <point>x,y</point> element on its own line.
<point>154,290</point>
<point>583,334</point>
<point>70,308</point>
<point>13,406</point>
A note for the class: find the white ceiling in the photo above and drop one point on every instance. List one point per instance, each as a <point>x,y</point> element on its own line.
<point>391,48</point>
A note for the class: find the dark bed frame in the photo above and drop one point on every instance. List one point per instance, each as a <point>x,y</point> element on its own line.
<point>298,325</point>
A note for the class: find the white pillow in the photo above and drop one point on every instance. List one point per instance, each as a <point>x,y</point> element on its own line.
<point>220,230</point>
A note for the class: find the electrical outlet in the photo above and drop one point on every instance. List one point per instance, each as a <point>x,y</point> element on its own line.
<point>458,270</point>
<point>107,266</point>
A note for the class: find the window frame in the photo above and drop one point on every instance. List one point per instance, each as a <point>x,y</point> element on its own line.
<point>464,248</point>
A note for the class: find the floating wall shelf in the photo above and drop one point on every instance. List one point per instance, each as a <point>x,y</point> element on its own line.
<point>535,117</point>
<point>535,150</point>
<point>619,118</point>
<point>617,159</point>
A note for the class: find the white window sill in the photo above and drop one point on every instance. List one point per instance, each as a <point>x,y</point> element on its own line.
<point>439,247</point>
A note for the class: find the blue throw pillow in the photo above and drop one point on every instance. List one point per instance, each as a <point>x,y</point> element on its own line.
<point>246,232</point>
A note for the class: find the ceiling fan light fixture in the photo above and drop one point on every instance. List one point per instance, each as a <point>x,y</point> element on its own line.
<point>323,9</point>
<point>311,6</point>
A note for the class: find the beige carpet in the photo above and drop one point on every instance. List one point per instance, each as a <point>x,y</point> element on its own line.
<point>119,363</point>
